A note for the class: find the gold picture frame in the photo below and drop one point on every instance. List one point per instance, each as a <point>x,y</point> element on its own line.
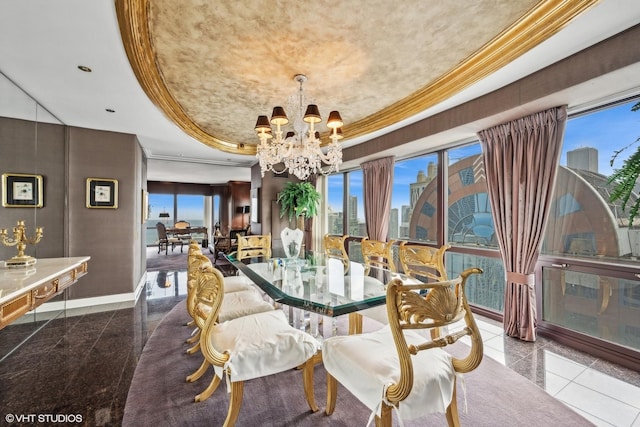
<point>22,190</point>
<point>102,193</point>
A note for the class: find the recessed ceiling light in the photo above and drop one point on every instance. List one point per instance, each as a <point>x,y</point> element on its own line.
<point>84,68</point>
<point>109,110</point>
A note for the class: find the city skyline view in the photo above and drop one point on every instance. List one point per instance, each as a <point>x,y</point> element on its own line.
<point>606,130</point>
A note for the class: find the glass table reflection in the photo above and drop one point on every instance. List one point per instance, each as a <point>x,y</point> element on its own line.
<point>319,285</point>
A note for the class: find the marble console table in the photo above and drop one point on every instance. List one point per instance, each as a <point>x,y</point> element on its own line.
<point>23,289</point>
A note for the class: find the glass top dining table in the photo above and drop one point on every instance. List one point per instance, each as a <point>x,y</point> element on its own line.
<point>319,284</point>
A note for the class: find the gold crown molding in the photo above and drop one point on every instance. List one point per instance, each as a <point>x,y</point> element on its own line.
<point>542,21</point>
<point>133,20</point>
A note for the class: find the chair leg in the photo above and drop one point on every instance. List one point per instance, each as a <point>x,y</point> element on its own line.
<point>193,338</point>
<point>193,349</point>
<point>332,392</point>
<point>235,401</point>
<point>355,323</point>
<point>452,410</point>
<point>207,392</point>
<point>199,372</point>
<point>307,380</point>
<point>384,420</point>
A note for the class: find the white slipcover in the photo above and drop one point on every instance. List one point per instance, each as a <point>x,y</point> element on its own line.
<point>366,364</point>
<point>261,344</point>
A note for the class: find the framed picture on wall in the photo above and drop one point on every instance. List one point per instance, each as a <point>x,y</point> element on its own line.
<point>22,190</point>
<point>102,193</point>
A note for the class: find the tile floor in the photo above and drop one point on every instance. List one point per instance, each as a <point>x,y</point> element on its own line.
<point>83,363</point>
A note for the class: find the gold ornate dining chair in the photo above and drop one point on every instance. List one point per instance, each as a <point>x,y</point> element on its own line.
<point>256,245</point>
<point>249,347</point>
<point>334,246</point>
<point>375,253</point>
<point>378,254</point>
<point>397,367</point>
<point>241,299</point>
<point>423,262</point>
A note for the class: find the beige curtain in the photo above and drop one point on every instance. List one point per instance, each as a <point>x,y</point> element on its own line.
<point>377,176</point>
<point>521,160</point>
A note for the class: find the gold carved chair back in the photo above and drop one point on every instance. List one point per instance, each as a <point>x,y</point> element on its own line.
<point>256,245</point>
<point>423,262</point>
<point>253,351</point>
<point>334,246</point>
<point>378,254</point>
<point>409,310</point>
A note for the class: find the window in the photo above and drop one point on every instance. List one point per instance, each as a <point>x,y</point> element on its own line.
<point>160,210</point>
<point>415,199</point>
<point>583,222</point>
<point>356,225</point>
<point>191,209</point>
<point>335,202</point>
<point>470,222</point>
<point>581,289</point>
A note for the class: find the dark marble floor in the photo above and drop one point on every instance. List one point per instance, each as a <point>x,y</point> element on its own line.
<point>82,364</point>
<point>78,364</point>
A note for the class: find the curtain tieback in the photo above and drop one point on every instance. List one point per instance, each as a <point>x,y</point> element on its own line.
<point>525,279</point>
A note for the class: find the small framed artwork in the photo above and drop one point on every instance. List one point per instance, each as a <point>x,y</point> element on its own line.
<point>21,190</point>
<point>102,193</point>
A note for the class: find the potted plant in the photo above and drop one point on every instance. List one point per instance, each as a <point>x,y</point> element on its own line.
<point>625,179</point>
<point>299,200</point>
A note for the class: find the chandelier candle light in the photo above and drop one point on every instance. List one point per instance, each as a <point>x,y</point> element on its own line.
<point>20,240</point>
<point>299,150</point>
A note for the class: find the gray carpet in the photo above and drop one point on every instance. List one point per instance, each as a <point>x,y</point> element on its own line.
<point>160,396</point>
<point>177,261</point>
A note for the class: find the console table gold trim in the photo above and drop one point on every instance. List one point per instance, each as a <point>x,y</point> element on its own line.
<point>22,290</point>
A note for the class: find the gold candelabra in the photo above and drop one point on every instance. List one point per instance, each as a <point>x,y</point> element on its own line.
<point>20,240</point>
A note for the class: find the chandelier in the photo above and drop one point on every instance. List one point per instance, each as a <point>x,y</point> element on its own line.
<point>298,151</point>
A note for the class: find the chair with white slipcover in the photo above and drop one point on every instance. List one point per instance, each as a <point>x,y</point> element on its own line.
<point>398,367</point>
<point>251,346</point>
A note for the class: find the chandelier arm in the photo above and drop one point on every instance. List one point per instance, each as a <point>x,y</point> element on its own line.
<point>300,151</point>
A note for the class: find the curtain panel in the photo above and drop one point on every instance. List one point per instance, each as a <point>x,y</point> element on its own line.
<point>377,176</point>
<point>521,160</point>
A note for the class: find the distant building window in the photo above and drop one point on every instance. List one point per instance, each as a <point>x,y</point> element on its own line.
<point>567,204</point>
<point>466,176</point>
<point>422,233</point>
<point>428,210</point>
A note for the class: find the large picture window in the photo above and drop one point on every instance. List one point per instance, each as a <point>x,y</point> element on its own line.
<point>414,203</point>
<point>590,265</point>
<point>584,223</point>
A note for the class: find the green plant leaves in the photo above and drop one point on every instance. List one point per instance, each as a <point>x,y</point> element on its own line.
<point>298,199</point>
<point>625,178</point>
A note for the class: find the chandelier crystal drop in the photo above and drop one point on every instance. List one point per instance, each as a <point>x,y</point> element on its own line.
<point>298,151</point>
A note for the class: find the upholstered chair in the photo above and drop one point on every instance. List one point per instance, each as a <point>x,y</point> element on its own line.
<point>164,241</point>
<point>249,347</point>
<point>237,303</point>
<point>398,367</point>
